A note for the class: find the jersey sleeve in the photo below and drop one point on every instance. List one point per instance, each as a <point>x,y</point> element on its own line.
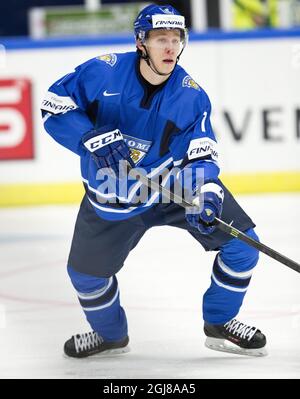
<point>199,149</point>
<point>64,108</point>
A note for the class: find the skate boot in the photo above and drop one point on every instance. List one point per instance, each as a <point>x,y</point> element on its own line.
<point>235,337</point>
<point>87,344</point>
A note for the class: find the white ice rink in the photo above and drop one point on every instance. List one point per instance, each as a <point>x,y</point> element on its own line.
<point>161,288</point>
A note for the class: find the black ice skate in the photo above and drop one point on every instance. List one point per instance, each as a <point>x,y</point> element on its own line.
<point>87,344</point>
<point>235,337</point>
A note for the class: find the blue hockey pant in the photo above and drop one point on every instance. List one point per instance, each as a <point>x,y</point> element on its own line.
<point>100,247</point>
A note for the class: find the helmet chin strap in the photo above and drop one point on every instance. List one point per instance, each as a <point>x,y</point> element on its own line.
<point>151,65</point>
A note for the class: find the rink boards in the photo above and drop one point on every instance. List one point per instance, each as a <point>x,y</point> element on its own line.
<point>252,80</point>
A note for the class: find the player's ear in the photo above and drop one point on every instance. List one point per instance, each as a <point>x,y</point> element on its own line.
<point>139,45</point>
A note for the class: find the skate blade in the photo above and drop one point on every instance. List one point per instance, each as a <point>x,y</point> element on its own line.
<point>106,353</point>
<point>113,352</point>
<point>222,345</point>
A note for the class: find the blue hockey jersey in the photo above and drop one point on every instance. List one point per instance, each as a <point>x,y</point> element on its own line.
<point>169,129</point>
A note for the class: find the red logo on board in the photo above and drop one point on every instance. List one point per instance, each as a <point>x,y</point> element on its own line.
<point>16,132</point>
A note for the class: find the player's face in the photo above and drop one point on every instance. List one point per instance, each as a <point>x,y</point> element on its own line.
<point>163,47</point>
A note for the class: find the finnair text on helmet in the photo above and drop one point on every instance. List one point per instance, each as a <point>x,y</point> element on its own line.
<point>169,24</point>
<point>168,21</point>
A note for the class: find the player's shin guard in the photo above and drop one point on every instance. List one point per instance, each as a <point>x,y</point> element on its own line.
<point>99,298</point>
<point>230,279</point>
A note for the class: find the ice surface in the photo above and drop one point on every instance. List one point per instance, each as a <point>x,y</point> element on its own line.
<point>161,289</point>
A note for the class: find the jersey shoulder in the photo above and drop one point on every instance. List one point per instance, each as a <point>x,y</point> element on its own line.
<point>189,90</point>
<point>114,60</point>
<point>105,64</point>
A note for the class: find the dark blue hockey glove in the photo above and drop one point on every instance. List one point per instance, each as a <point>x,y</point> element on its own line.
<point>206,208</point>
<point>108,148</point>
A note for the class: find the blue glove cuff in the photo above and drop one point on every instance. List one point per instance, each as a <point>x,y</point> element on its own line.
<point>212,187</point>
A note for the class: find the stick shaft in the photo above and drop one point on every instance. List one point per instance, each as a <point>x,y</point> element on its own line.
<point>220,224</point>
<point>258,245</point>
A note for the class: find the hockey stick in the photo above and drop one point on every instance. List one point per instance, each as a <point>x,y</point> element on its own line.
<point>220,224</point>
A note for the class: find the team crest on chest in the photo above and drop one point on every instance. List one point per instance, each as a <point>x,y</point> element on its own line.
<point>138,147</point>
<point>110,59</point>
<point>190,83</point>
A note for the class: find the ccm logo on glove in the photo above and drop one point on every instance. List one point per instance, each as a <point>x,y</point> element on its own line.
<point>96,142</point>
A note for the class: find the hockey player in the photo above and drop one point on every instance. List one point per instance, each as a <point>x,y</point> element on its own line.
<point>143,108</point>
